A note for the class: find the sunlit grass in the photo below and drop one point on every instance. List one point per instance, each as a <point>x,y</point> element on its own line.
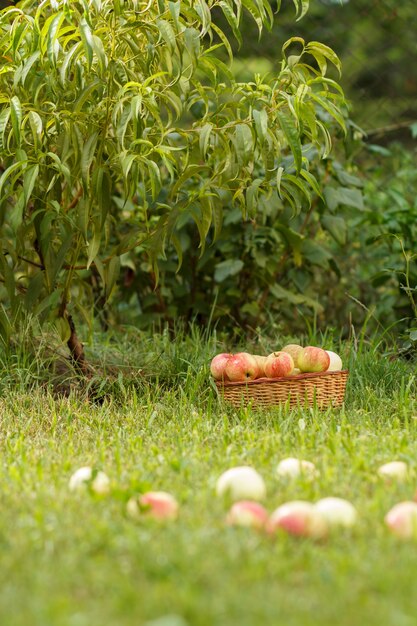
<point>75,559</point>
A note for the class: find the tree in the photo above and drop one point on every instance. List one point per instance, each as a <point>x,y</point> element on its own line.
<point>118,121</point>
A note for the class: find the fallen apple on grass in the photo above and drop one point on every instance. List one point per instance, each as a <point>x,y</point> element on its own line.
<point>241,483</point>
<point>337,512</point>
<point>247,513</point>
<point>402,520</point>
<point>156,504</point>
<point>299,518</point>
<point>393,471</point>
<point>86,477</point>
<point>292,468</point>
<point>278,364</point>
<point>313,360</point>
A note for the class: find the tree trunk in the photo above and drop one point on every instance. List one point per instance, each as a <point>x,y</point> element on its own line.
<point>77,350</point>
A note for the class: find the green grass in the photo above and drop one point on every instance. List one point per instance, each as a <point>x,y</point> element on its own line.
<point>74,559</point>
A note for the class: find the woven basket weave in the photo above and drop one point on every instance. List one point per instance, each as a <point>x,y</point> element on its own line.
<point>322,390</point>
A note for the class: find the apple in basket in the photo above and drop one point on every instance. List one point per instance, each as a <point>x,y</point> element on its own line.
<point>241,366</point>
<point>260,360</point>
<point>335,362</point>
<point>279,364</point>
<point>295,350</point>
<point>218,365</point>
<point>313,359</point>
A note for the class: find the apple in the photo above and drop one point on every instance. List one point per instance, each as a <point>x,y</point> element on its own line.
<point>298,518</point>
<point>86,477</point>
<point>337,512</point>
<point>218,365</point>
<point>295,372</point>
<point>241,366</point>
<point>402,520</point>
<point>313,359</point>
<point>335,362</point>
<point>247,513</point>
<point>295,350</point>
<point>279,364</point>
<point>260,360</point>
<point>397,470</point>
<point>157,504</point>
<point>241,483</point>
<point>292,468</point>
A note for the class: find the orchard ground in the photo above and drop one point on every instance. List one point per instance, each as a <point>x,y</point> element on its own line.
<point>76,559</point>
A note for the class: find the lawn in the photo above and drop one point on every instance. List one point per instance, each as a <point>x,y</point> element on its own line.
<point>76,559</point>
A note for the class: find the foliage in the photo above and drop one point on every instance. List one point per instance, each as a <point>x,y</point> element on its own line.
<point>374,40</point>
<point>119,124</point>
<point>386,233</point>
<point>272,271</point>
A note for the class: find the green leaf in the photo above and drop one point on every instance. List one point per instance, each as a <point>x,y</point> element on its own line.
<point>223,270</point>
<point>243,144</point>
<point>94,242</point>
<point>204,13</point>
<point>204,138</point>
<point>292,136</point>
<point>12,169</point>
<point>315,253</point>
<point>29,180</point>
<point>87,39</point>
<point>87,157</point>
<point>36,125</point>
<point>315,47</point>
<point>252,194</point>
<point>281,293</point>
<point>4,119</point>
<point>331,109</point>
<point>192,43</point>
<point>53,30</point>
<point>16,116</point>
<point>261,124</point>
<point>63,328</point>
<point>343,196</point>
<point>301,7</point>
<point>112,272</point>
<point>232,19</point>
<point>312,181</point>
<point>336,226</point>
<point>167,33</point>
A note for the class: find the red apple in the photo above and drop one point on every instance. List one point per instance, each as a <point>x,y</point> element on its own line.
<point>241,366</point>
<point>247,513</point>
<point>218,366</point>
<point>298,518</point>
<point>313,359</point>
<point>279,364</point>
<point>157,504</point>
<point>295,350</point>
<point>402,520</point>
<point>260,360</point>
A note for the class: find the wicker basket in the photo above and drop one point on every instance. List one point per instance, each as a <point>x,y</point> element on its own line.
<point>322,390</point>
